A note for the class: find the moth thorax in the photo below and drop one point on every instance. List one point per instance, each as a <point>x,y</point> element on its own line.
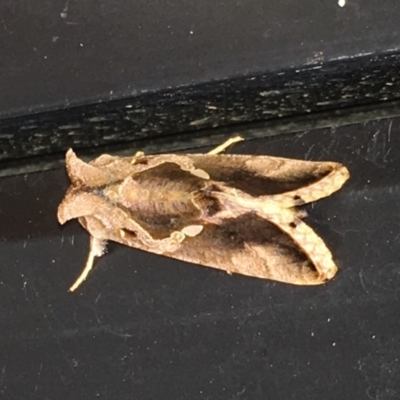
<point>171,198</point>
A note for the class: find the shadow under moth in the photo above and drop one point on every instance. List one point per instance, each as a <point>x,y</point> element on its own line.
<point>237,213</point>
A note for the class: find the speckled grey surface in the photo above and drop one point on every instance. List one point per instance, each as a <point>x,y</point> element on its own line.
<point>188,140</point>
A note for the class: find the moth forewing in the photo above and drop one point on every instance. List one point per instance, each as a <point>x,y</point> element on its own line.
<point>231,212</point>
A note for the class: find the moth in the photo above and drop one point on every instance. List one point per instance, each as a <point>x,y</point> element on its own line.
<point>237,213</point>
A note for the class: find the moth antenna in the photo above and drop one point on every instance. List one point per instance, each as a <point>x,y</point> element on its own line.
<point>97,248</point>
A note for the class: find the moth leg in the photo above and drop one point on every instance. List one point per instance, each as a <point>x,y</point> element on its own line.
<point>222,147</point>
<point>97,247</point>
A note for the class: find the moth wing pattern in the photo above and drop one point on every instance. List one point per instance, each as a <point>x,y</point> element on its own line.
<point>269,250</point>
<point>287,181</point>
<point>257,231</point>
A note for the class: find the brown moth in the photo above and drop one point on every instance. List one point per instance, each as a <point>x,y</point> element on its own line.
<point>236,213</point>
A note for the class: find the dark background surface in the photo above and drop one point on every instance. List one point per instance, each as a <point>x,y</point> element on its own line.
<point>68,52</point>
<point>148,327</point>
<point>167,76</point>
<point>143,70</point>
